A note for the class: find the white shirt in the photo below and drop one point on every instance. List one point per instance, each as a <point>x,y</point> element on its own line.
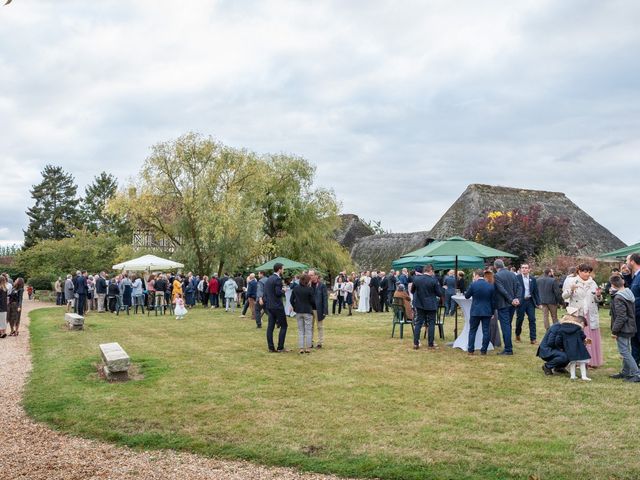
<point>527,286</point>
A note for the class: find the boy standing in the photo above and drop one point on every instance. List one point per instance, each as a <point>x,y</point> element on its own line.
<point>623,327</point>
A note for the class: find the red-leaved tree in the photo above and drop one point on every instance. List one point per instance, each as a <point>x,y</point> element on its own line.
<point>522,233</point>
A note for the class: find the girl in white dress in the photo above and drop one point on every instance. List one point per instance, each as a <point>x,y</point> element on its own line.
<point>363,302</point>
<point>180,310</point>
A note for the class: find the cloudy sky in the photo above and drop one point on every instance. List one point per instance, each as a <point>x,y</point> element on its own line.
<point>399,104</point>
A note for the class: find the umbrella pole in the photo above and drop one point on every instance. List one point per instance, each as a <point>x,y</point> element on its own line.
<point>455,332</point>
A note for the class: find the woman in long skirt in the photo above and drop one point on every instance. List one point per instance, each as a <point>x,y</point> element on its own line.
<point>15,306</point>
<point>583,293</point>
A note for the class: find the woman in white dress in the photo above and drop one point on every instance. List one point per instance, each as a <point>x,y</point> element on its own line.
<point>363,302</point>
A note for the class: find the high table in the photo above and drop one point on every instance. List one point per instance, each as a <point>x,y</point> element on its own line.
<point>462,341</point>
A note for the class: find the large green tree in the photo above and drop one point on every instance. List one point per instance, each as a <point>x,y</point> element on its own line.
<point>82,250</point>
<point>226,208</point>
<point>55,211</point>
<point>94,213</point>
<point>194,191</point>
<point>300,221</point>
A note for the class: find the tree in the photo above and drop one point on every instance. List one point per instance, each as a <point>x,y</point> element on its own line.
<point>95,216</point>
<point>376,226</point>
<point>83,250</point>
<point>226,208</point>
<point>523,233</point>
<point>55,211</point>
<point>197,193</point>
<point>300,221</point>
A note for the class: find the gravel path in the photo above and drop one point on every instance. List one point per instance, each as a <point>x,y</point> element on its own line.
<point>29,450</point>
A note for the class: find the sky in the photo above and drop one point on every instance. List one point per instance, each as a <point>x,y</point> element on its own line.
<point>399,104</point>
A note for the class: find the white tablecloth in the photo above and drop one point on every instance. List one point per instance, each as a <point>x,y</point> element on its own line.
<point>462,341</point>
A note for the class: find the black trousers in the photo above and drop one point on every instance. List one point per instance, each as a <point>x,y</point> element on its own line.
<point>557,359</point>
<point>82,303</point>
<point>276,317</point>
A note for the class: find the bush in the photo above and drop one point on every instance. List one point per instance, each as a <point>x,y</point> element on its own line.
<point>14,271</point>
<point>42,282</point>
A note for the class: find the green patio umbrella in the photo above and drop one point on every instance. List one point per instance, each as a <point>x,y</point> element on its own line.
<point>622,252</point>
<point>287,263</point>
<point>439,263</point>
<point>458,247</point>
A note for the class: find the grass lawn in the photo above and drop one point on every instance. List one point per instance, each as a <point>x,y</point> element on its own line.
<point>365,406</point>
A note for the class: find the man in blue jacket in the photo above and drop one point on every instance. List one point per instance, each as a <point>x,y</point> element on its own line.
<point>507,299</point>
<point>555,359</point>
<point>81,291</point>
<point>426,298</point>
<point>633,262</point>
<point>482,308</point>
<point>273,296</point>
<point>529,301</point>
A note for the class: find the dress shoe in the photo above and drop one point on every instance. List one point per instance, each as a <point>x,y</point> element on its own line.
<point>471,354</point>
<point>518,338</point>
<point>505,353</point>
<point>547,370</point>
<point>482,353</point>
<point>416,347</point>
<point>562,371</point>
<point>534,342</point>
<point>618,376</point>
<point>635,379</point>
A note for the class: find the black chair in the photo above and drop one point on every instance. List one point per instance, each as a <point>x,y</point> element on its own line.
<point>399,317</point>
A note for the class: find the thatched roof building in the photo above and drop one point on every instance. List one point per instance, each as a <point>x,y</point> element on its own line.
<point>352,229</point>
<point>376,252</point>
<point>587,236</point>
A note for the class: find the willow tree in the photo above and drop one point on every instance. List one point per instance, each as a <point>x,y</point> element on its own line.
<point>300,221</point>
<point>226,208</point>
<point>193,192</point>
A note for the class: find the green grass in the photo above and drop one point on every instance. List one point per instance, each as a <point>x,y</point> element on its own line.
<point>365,406</point>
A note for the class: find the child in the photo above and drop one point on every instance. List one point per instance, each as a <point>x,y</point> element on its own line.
<point>571,339</point>
<point>180,311</point>
<point>623,327</point>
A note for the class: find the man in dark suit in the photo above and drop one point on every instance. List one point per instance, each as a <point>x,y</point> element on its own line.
<point>384,290</point>
<point>529,301</point>
<point>426,298</point>
<point>633,262</point>
<point>391,287</point>
<point>555,359</point>
<point>507,299</point>
<point>273,295</point>
<point>81,292</point>
<point>482,308</point>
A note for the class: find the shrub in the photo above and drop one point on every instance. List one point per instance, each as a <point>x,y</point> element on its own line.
<point>43,282</point>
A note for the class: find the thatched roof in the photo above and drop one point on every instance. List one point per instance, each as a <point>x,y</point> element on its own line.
<point>352,229</point>
<point>376,252</point>
<point>587,236</point>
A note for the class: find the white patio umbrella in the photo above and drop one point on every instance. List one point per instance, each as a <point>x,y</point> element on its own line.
<point>148,263</point>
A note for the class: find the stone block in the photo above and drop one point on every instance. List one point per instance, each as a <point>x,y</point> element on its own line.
<point>114,357</point>
<point>74,321</point>
<point>115,376</point>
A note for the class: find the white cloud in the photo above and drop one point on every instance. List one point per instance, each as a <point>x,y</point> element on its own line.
<point>400,105</point>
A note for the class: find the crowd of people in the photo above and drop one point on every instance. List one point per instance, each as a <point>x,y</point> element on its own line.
<point>498,294</point>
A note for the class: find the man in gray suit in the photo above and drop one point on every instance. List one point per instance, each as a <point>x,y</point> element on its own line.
<point>508,292</point>
<point>550,296</point>
<point>259,307</point>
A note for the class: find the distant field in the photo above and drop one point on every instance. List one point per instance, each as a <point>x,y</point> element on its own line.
<point>365,406</point>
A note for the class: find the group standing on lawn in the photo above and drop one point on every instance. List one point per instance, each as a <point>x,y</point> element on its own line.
<point>497,294</point>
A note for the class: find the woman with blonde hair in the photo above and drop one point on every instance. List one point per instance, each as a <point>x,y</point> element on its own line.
<point>582,293</point>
